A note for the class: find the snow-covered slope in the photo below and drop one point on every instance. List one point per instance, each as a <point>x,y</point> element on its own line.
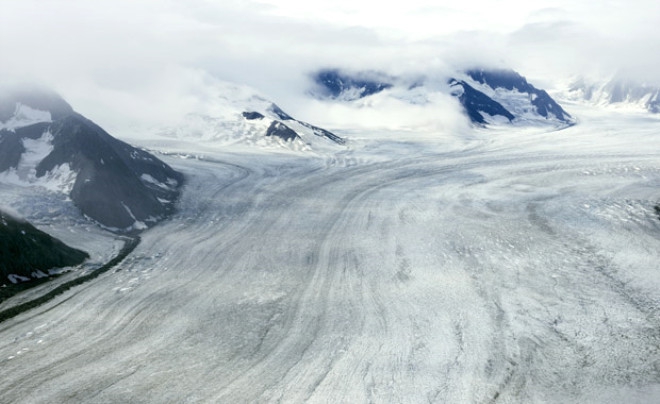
<point>236,114</point>
<point>479,107</point>
<point>43,142</point>
<point>487,96</point>
<point>522,269</point>
<point>527,104</point>
<point>618,91</point>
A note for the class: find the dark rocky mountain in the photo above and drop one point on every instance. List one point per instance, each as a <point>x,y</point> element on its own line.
<point>11,150</point>
<point>510,80</point>
<point>252,115</point>
<point>476,103</point>
<point>276,128</point>
<point>315,129</point>
<point>116,184</point>
<point>334,83</point>
<point>282,131</point>
<point>28,253</point>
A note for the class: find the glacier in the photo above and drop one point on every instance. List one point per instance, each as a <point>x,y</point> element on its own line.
<point>508,265</point>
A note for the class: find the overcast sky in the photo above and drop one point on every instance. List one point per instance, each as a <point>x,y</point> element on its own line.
<point>111,57</point>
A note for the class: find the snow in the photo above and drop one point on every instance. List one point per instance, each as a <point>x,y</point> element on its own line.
<point>151,180</point>
<point>13,278</point>
<point>218,123</point>
<point>137,224</point>
<point>35,151</point>
<point>232,130</point>
<point>60,179</point>
<point>598,93</point>
<point>520,104</point>
<point>507,264</point>
<point>24,116</point>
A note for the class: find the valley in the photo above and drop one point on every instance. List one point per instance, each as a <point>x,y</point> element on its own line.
<point>507,266</point>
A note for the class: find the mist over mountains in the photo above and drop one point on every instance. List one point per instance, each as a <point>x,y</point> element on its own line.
<point>329,202</point>
<point>483,93</point>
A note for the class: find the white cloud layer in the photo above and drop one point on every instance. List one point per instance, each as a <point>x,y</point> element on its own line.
<point>146,59</point>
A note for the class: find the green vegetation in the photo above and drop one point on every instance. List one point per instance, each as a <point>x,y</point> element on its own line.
<point>129,246</point>
<point>29,253</point>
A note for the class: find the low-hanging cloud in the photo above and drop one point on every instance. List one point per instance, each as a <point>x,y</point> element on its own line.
<point>124,61</point>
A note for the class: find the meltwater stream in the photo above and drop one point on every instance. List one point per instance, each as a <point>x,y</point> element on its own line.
<point>505,273</point>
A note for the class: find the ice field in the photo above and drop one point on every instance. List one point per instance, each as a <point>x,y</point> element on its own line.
<point>510,266</point>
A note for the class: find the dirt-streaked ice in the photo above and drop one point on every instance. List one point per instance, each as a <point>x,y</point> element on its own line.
<point>513,266</point>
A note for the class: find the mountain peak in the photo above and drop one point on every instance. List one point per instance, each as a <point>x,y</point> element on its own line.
<point>477,103</point>
<point>507,85</point>
<point>35,98</point>
<point>338,84</point>
<point>500,78</point>
<point>618,90</point>
<point>238,114</point>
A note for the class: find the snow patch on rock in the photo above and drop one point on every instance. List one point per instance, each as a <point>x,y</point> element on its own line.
<point>60,179</point>
<point>25,116</point>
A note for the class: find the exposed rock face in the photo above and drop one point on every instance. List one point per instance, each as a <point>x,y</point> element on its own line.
<point>477,103</point>
<point>252,115</point>
<point>11,150</point>
<point>282,131</point>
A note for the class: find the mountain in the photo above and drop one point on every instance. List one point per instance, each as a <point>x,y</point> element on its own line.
<point>619,90</point>
<point>20,106</point>
<point>45,142</point>
<point>630,91</point>
<point>488,96</point>
<point>239,114</point>
<point>28,253</point>
<point>476,104</point>
<point>335,84</point>
<point>520,101</point>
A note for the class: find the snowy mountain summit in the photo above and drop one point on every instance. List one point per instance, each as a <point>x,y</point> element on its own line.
<point>618,91</point>
<point>44,142</point>
<point>336,84</point>
<point>236,114</point>
<point>487,96</point>
<point>491,95</point>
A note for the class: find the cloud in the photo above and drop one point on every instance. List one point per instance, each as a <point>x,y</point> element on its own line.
<point>128,60</point>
